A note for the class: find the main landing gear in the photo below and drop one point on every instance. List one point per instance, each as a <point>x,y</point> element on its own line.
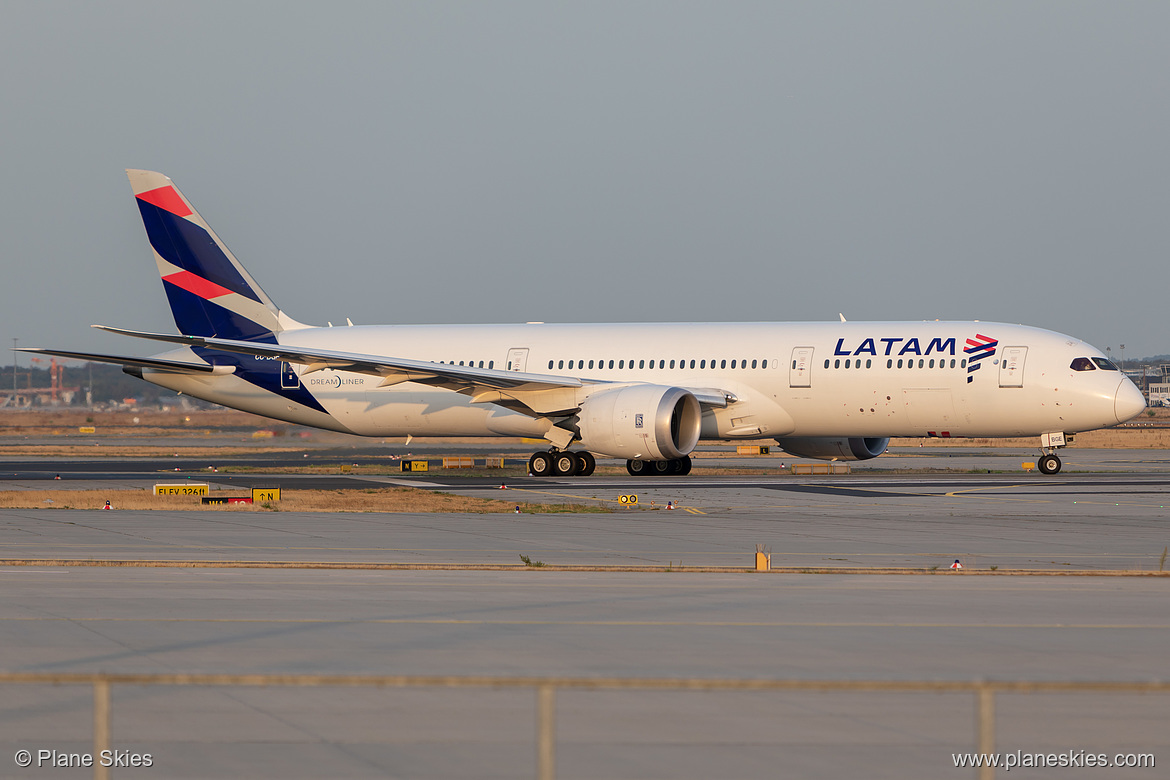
<point>659,468</point>
<point>561,464</point>
<point>556,463</point>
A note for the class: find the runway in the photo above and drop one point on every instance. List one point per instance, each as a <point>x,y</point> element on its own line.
<point>945,626</point>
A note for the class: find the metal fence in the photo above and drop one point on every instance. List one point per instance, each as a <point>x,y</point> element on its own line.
<point>546,689</point>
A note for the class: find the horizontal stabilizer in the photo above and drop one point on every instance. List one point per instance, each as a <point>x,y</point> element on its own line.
<point>174,366</point>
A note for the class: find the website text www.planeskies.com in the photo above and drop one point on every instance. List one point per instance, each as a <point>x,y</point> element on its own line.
<point>1068,759</point>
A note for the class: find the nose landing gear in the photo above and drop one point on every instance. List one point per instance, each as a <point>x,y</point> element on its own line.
<point>1050,442</point>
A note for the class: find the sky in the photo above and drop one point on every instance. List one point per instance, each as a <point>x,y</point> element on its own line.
<point>596,161</point>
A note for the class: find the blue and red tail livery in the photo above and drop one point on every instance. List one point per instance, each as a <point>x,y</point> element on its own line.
<point>209,291</point>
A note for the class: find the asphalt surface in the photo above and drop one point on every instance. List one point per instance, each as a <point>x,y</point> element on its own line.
<point>942,626</point>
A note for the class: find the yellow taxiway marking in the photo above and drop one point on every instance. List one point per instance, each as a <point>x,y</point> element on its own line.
<point>561,495</point>
<point>693,511</point>
<point>595,498</point>
<point>962,494</point>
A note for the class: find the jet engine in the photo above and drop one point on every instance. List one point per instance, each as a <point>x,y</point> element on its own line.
<point>643,422</point>
<point>833,448</point>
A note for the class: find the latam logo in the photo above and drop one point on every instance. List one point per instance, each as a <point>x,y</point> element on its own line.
<point>978,349</point>
<point>897,346</point>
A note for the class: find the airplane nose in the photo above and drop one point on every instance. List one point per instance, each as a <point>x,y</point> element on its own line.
<point>1129,401</point>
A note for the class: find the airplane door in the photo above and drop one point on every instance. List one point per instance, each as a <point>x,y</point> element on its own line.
<point>517,358</point>
<point>800,370</point>
<point>288,376</point>
<point>1011,367</point>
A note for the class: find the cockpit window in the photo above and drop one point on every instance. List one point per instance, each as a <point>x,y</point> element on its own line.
<point>1082,364</point>
<point>1105,365</point>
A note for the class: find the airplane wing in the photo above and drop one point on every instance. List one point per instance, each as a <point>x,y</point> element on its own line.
<point>173,366</point>
<point>484,385</point>
<point>392,370</point>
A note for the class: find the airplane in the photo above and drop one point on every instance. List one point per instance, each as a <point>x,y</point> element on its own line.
<point>646,393</point>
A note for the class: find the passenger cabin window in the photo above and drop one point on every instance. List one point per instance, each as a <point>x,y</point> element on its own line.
<point>1082,364</point>
<point>1105,365</point>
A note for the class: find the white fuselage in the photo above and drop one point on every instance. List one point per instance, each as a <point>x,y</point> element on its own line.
<point>858,379</point>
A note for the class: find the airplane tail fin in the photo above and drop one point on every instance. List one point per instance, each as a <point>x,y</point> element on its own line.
<point>210,293</point>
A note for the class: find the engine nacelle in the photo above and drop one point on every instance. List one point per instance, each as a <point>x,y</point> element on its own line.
<point>833,448</point>
<point>646,422</point>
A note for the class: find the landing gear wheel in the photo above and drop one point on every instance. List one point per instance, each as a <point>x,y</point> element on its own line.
<point>661,468</point>
<point>540,464</point>
<point>637,468</point>
<point>586,463</point>
<point>564,464</point>
<point>1049,464</point>
<point>684,465</point>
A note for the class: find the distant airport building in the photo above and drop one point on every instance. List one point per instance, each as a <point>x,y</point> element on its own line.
<point>1159,395</point>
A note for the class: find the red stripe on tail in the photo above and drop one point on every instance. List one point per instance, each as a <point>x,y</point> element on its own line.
<point>166,198</point>
<point>197,285</point>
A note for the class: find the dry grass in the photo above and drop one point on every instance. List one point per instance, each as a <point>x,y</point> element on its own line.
<point>73,418</point>
<point>1105,439</point>
<point>373,500</point>
<point>102,451</point>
